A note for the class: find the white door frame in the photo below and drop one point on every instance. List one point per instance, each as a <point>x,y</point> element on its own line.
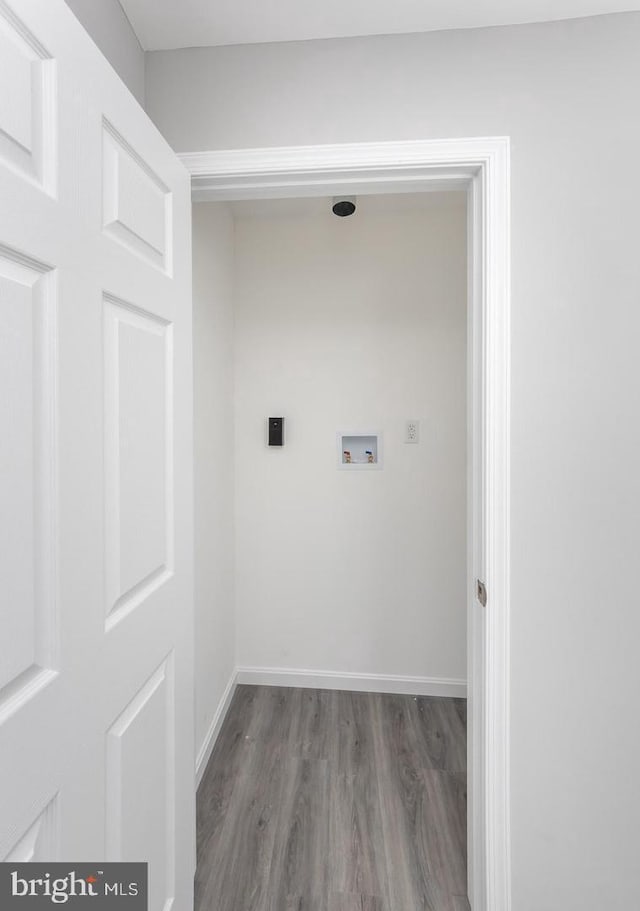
<point>482,166</point>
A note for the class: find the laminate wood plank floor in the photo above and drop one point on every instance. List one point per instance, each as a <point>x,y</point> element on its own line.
<point>318,800</point>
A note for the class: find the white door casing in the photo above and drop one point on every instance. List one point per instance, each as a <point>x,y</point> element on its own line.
<point>96,613</point>
<point>481,165</point>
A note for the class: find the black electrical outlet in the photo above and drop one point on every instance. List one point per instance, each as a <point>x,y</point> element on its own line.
<point>276,431</point>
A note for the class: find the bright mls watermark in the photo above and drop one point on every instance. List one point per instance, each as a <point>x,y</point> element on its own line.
<point>99,887</point>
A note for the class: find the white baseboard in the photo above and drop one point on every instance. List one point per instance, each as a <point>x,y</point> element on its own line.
<point>344,680</point>
<point>206,748</point>
<point>325,680</point>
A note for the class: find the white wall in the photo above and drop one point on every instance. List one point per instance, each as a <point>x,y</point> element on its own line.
<point>567,94</point>
<point>214,467</point>
<point>352,324</point>
<point>110,29</point>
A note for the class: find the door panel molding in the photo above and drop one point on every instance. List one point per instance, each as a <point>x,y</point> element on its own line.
<point>136,203</point>
<point>132,808</point>
<point>27,113</point>
<point>40,841</point>
<point>29,645</point>
<point>150,526</point>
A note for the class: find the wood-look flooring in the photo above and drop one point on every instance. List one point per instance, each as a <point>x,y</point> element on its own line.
<point>316,800</point>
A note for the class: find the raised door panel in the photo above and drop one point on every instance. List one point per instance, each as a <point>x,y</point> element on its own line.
<point>27,101</point>
<point>39,842</point>
<point>138,457</point>
<point>27,520</point>
<point>136,203</point>
<point>140,794</point>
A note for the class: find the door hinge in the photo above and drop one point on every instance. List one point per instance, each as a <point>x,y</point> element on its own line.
<point>481,592</point>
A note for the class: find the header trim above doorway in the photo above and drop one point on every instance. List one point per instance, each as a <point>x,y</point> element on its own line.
<point>481,166</point>
<point>321,170</point>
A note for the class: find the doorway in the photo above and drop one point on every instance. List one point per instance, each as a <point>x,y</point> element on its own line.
<point>346,736</point>
<point>481,169</point>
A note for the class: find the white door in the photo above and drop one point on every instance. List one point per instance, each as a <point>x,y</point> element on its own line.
<point>96,696</point>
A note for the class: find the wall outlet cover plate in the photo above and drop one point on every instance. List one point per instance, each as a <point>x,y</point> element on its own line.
<point>412,432</point>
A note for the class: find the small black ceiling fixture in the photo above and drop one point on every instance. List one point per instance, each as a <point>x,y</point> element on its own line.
<point>343,206</point>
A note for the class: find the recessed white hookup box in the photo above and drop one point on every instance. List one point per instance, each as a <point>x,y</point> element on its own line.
<point>359,450</point>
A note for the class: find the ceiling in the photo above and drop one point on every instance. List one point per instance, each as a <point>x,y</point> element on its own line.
<point>163,24</point>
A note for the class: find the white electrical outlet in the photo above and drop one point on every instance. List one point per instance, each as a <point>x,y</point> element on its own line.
<point>412,432</point>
